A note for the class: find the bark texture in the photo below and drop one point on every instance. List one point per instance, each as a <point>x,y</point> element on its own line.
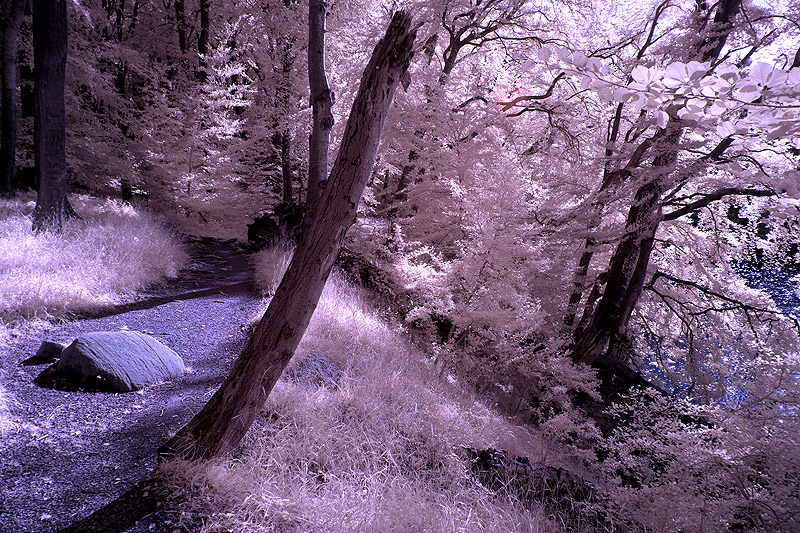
<point>10,22</point>
<point>321,102</point>
<point>50,128</point>
<point>229,414</point>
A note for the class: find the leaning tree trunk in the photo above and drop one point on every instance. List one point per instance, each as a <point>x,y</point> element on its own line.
<point>625,277</point>
<point>10,22</point>
<point>50,129</point>
<point>229,414</point>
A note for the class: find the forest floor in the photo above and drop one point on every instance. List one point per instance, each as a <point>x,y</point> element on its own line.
<point>69,453</point>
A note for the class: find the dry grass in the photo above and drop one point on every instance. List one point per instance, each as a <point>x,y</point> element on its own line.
<point>6,421</point>
<point>380,452</point>
<point>95,262</point>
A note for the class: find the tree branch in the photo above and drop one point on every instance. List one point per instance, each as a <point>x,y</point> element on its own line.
<point>546,95</point>
<point>713,197</point>
<point>733,304</point>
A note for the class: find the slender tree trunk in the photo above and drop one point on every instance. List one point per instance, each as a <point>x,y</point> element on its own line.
<point>10,22</point>
<point>119,23</point>
<point>134,17</point>
<point>284,91</point>
<point>49,64</point>
<point>228,415</point>
<point>202,40</point>
<point>286,165</point>
<point>321,103</point>
<point>180,19</point>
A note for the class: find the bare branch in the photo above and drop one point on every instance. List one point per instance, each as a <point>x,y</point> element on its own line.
<point>732,304</point>
<point>706,199</point>
<point>547,94</point>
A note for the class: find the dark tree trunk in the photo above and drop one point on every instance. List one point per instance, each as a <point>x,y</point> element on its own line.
<point>228,415</point>
<point>321,103</point>
<point>134,17</point>
<point>49,64</point>
<point>120,20</point>
<point>202,40</point>
<point>286,166</point>
<point>180,20</point>
<point>10,23</point>
<point>610,318</point>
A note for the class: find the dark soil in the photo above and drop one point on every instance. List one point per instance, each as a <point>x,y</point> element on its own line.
<point>70,453</point>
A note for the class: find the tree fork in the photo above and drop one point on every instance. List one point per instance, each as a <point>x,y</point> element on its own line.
<point>225,419</point>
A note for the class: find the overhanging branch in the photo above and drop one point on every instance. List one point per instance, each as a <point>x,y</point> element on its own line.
<point>731,304</point>
<point>546,95</point>
<point>706,199</point>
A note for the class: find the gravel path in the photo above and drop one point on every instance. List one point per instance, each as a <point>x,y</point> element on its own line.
<point>72,452</point>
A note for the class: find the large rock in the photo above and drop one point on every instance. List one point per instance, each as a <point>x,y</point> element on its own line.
<point>124,360</point>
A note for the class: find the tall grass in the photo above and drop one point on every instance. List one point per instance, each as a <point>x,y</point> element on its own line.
<point>100,260</point>
<point>382,451</point>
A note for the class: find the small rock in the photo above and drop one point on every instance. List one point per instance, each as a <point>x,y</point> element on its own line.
<point>124,360</point>
<point>316,370</point>
<point>48,352</point>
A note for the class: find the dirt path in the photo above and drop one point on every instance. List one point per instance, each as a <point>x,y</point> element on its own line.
<point>70,453</point>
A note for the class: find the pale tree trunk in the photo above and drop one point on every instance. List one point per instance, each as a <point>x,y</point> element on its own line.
<point>321,103</point>
<point>10,22</point>
<point>229,414</point>
<point>606,330</point>
<point>49,64</point>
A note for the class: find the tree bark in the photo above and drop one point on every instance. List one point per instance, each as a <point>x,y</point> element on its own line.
<point>321,103</point>
<point>50,129</point>
<point>229,414</point>
<point>623,287</point>
<point>10,22</point>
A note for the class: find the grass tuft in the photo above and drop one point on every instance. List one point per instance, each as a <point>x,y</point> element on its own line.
<point>101,260</point>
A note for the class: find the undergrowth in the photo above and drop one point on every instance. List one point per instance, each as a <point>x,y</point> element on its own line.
<point>380,451</point>
<point>99,260</point>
